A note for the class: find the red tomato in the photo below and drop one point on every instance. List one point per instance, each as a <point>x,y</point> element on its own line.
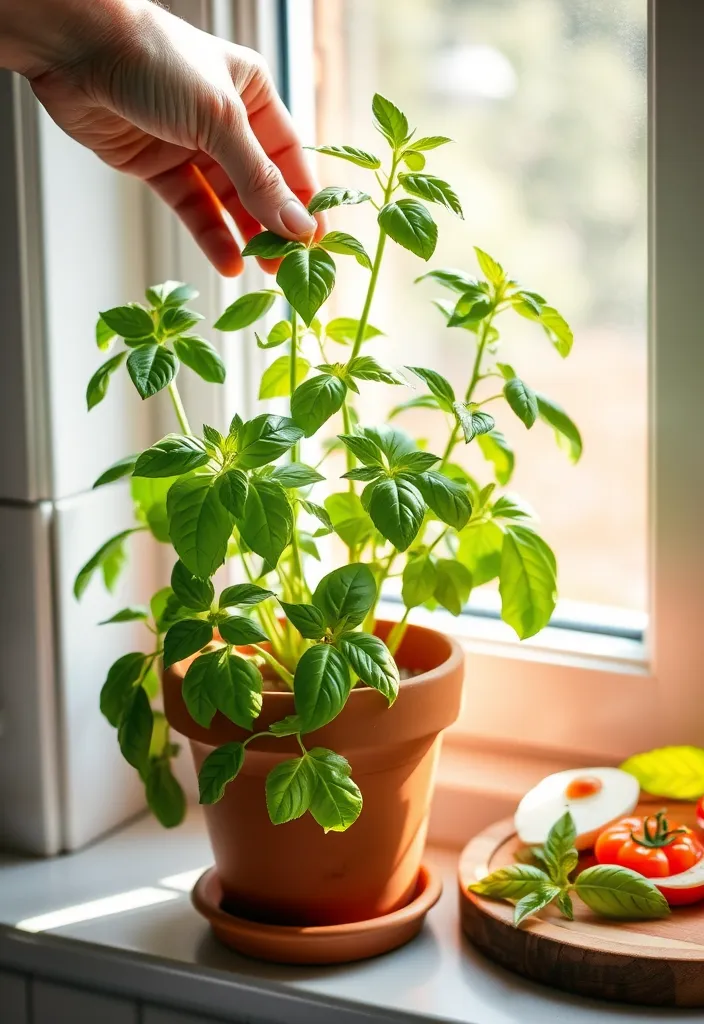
<point>649,846</point>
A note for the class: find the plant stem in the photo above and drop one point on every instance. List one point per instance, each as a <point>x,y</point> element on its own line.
<point>179,409</point>
<point>292,369</point>
<point>393,641</point>
<point>272,662</point>
<point>454,436</point>
<point>347,426</point>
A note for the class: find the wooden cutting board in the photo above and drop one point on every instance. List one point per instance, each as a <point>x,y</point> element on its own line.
<point>653,963</point>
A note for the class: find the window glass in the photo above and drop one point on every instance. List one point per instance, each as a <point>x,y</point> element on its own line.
<point>546,100</point>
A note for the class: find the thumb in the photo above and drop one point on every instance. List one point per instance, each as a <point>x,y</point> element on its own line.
<point>259,183</point>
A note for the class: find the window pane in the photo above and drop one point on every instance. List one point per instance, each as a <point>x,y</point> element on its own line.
<point>546,100</point>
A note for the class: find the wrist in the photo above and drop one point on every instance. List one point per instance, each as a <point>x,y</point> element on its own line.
<point>40,36</point>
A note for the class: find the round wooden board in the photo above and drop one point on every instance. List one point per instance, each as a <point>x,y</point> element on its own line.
<point>653,963</point>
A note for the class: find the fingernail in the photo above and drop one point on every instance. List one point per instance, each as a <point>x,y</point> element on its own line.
<point>296,219</point>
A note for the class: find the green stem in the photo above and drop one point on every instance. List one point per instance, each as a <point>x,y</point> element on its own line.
<point>370,618</point>
<point>179,409</point>
<point>454,436</point>
<point>292,369</point>
<point>393,641</point>
<point>272,662</point>
<point>347,426</point>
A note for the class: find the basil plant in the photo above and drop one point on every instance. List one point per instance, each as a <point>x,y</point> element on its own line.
<point>249,493</point>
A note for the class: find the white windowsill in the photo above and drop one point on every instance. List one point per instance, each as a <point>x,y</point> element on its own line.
<point>163,952</point>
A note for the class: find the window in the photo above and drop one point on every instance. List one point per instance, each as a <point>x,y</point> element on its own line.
<point>547,103</point>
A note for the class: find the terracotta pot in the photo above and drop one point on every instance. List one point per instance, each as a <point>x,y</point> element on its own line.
<point>295,874</point>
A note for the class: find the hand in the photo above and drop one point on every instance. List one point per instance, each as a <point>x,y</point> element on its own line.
<point>195,117</point>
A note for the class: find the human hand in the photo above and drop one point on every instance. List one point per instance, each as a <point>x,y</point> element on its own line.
<point>194,116</point>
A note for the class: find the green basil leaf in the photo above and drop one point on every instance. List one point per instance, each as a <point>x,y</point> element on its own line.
<point>355,156</point>
<point>191,591</point>
<point>149,495</point>
<point>173,293</point>
<point>134,732</point>
<point>522,400</point>
<point>492,270</point>
<point>199,524</point>
<point>269,246</point>
<point>673,772</point>
<point>344,329</point>
<point>367,368</point>
<point>414,161</point>
<point>136,613</point>
<point>319,512</point>
<point>455,280</point>
<point>267,523</point>
<point>371,659</point>
<point>98,561</point>
<point>448,500</point>
<point>278,334</point>
<point>472,420</point>
<point>566,432</point>
<point>243,595</point>
<point>296,474</point>
<point>564,902</point>
<point>197,687</point>
<point>471,307</point>
<point>232,491</point>
<point>185,638</point>
<point>165,798</point>
<point>419,581</point>
<point>364,448</point>
<point>306,277</point>
<point>265,438</point>
<point>389,120</point>
<point>287,726</point>
<point>479,551</point>
<point>527,582</point>
<point>321,686</point>
<point>166,609</point>
<point>151,369</point>
<point>345,595</point>
<point>453,585</point>
<point>350,520</point>
<point>174,455</point>
<point>553,323</point>
<point>507,507</point>
<point>431,142</point>
<point>308,620</point>
<point>559,851</point>
<point>129,321</point>
<point>316,400</point>
<point>177,321</point>
<point>420,402</point>
<point>336,802</point>
<point>117,689</point>
<point>98,384</point>
<point>409,223</point>
<point>289,789</point>
<point>246,310</point>
<point>434,190</point>
<point>533,902</point>
<point>220,767</point>
<point>438,385</point>
<point>241,631</point>
<point>394,443</point>
<point>104,335</point>
<point>276,381</point>
<point>200,356</point>
<point>236,689</point>
<point>332,196</point>
<point>397,509</point>
<point>496,449</point>
<point>363,473</point>
<point>347,245</point>
<point>511,883</point>
<point>119,469</point>
<point>417,462</point>
<point>620,893</point>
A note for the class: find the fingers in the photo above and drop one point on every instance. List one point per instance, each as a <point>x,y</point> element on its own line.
<point>189,195</point>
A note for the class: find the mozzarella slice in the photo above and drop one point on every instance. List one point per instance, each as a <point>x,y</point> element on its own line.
<point>595,797</point>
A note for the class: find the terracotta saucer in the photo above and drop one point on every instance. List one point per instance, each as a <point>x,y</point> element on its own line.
<point>331,944</point>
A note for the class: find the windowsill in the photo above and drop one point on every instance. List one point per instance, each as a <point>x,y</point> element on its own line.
<point>163,953</point>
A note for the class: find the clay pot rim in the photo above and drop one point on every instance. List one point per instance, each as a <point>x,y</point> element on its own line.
<point>453,661</point>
